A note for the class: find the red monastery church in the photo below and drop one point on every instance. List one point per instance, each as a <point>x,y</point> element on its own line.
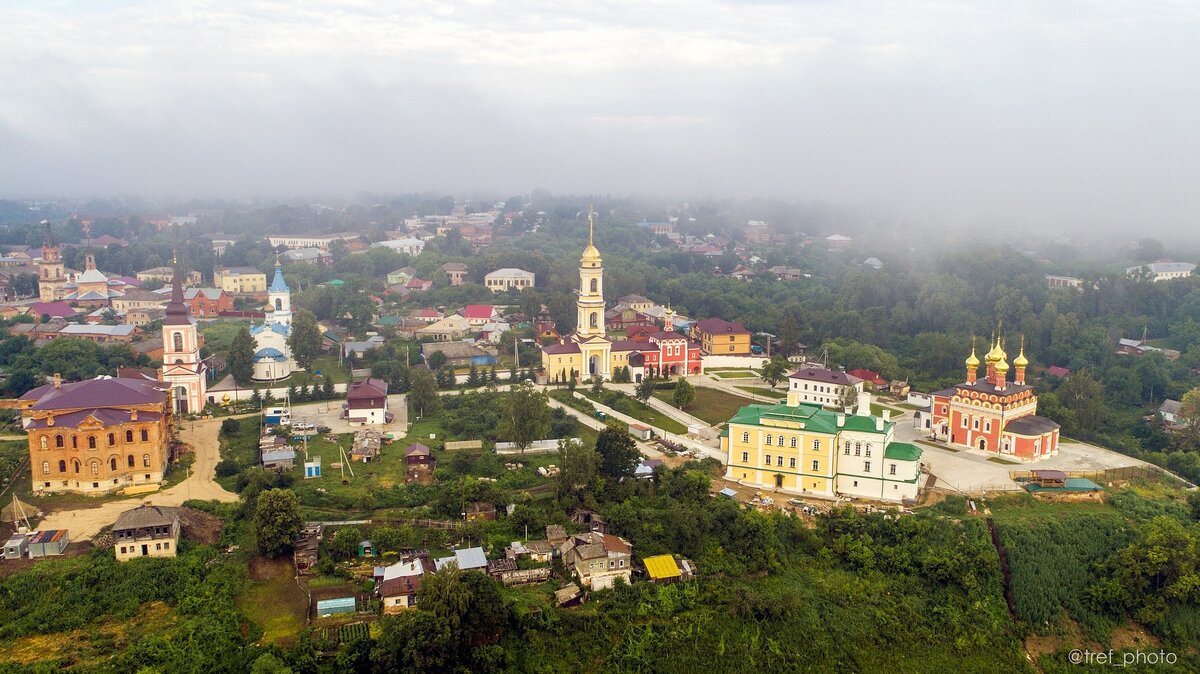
<point>993,414</point>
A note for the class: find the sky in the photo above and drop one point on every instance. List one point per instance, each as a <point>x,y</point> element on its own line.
<point>1071,115</point>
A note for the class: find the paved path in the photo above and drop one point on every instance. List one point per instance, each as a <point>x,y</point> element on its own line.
<point>647,449</point>
<point>85,523</point>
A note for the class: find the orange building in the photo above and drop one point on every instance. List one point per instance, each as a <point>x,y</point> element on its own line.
<point>96,436</point>
<point>993,414</point>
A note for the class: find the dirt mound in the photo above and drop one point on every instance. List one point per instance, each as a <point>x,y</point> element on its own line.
<point>199,526</point>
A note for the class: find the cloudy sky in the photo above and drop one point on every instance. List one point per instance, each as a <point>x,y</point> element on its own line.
<point>1051,113</point>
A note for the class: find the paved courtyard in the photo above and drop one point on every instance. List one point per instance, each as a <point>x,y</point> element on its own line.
<point>329,413</point>
<point>970,470</point>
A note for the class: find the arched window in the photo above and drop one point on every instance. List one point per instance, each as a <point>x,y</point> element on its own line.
<point>858,449</point>
<point>128,436</point>
<point>45,442</point>
<point>76,466</point>
<point>868,449</point>
<point>74,442</point>
<point>95,466</point>
<point>45,468</point>
<point>745,436</point>
<point>278,304</point>
<point>177,341</point>
<point>145,435</point>
<point>770,438</point>
<point>58,441</point>
<point>91,442</point>
<point>595,284</point>
<point>793,442</point>
<point>62,466</point>
<point>130,461</point>
<point>112,439</point>
<point>146,460</point>
<point>816,444</point>
<point>593,320</point>
<point>112,464</point>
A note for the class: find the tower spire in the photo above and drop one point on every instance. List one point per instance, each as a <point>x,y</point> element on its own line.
<point>591,224</point>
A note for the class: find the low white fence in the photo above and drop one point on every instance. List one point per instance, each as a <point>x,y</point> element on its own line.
<point>535,447</point>
<point>751,362</point>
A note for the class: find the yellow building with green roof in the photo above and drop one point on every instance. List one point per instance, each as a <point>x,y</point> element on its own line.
<point>807,450</point>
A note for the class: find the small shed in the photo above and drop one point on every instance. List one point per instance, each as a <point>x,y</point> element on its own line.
<point>336,606</point>
<point>480,511</point>
<point>1050,478</point>
<point>640,432</point>
<point>312,468</point>
<point>417,454</point>
<point>728,493</point>
<point>16,546</point>
<point>556,534</point>
<point>662,569</point>
<point>568,596</point>
<point>48,543</point>
<point>282,459</point>
<point>366,548</point>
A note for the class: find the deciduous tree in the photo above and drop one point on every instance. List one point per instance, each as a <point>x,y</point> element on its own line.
<point>276,521</point>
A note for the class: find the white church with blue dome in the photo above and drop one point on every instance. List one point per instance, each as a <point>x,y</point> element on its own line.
<point>272,355</point>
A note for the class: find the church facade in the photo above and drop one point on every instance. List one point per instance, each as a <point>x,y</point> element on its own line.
<point>272,354</point>
<point>993,414</point>
<point>590,352</point>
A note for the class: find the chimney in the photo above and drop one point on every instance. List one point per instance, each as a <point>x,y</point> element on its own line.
<point>841,420</point>
<point>133,414</point>
<point>50,419</point>
<point>879,422</point>
<point>887,416</point>
<point>864,404</point>
<point>57,380</point>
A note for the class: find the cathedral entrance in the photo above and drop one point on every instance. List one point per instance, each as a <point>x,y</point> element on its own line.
<point>593,365</point>
<point>181,400</point>
<point>983,443</point>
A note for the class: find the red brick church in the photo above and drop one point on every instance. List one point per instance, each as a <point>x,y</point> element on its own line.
<point>993,414</point>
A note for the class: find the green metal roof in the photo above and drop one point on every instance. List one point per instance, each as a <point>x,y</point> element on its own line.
<point>862,424</point>
<point>902,451</point>
<point>812,416</point>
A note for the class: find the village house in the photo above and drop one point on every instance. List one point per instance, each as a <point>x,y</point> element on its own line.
<point>401,276</point>
<point>146,531</point>
<point>409,246</point>
<point>456,272</point>
<point>101,334</point>
<point>399,585</point>
<point>478,315</point>
<point>366,402</point>
<point>719,337</point>
<point>450,328</point>
<point>139,299</point>
<point>469,559</point>
<point>598,559</point>
<point>1056,281</point>
<point>165,274</point>
<point>458,354</point>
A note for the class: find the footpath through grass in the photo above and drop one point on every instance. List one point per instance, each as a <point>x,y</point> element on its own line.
<point>636,409</point>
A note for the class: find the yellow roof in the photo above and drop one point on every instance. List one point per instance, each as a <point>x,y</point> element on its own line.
<point>661,567</point>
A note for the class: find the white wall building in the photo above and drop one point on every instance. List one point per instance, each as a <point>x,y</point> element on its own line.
<point>1163,271</point>
<point>821,386</point>
<point>508,277</point>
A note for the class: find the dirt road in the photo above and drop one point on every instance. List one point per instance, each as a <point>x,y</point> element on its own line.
<point>85,523</point>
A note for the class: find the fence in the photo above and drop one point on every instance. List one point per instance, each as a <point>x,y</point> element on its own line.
<point>1113,474</point>
<point>525,576</point>
<point>535,447</point>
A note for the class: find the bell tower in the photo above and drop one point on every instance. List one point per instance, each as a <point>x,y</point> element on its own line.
<point>182,367</point>
<point>51,272</point>
<point>590,305</point>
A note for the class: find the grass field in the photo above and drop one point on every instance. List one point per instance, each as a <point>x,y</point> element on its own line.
<point>711,405</point>
<point>762,391</point>
<point>745,374</point>
<point>645,414</point>
<point>274,601</point>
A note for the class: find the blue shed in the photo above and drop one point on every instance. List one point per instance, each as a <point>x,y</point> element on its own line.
<point>328,607</point>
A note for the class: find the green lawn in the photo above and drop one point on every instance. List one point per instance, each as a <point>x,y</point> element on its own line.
<point>711,405</point>
<point>644,413</point>
<point>1006,462</point>
<point>274,601</point>
<point>737,375</point>
<point>759,390</point>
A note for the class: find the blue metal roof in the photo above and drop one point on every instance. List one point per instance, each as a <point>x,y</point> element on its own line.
<point>264,354</point>
<point>278,285</point>
<point>275,327</point>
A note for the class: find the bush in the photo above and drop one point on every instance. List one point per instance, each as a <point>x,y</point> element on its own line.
<point>227,468</point>
<point>230,426</point>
